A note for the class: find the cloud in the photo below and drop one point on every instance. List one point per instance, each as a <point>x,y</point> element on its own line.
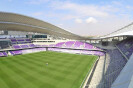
<point>60,24</point>
<point>69,16</point>
<point>10,0</point>
<point>37,14</point>
<point>91,20</point>
<point>129,7</point>
<point>114,15</point>
<point>38,1</point>
<point>118,3</point>
<point>78,20</point>
<point>80,9</point>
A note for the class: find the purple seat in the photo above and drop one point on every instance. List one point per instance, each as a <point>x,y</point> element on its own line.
<point>16,46</point>
<point>78,44</point>
<point>24,46</point>
<point>126,46</point>
<point>20,40</point>
<point>1,54</point>
<point>11,52</point>
<point>16,52</point>
<point>5,54</point>
<point>69,43</point>
<point>13,40</point>
<point>27,39</point>
<point>88,46</point>
<point>59,44</point>
<point>32,45</point>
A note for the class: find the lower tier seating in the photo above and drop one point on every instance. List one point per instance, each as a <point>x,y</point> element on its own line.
<point>2,54</point>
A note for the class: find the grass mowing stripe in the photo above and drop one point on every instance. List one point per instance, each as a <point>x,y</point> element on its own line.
<point>64,61</point>
<point>76,83</point>
<point>59,57</point>
<point>41,65</point>
<point>13,66</point>
<point>3,84</point>
<point>43,60</point>
<point>61,65</point>
<point>7,78</point>
<point>35,62</point>
<point>83,74</point>
<point>28,75</point>
<point>50,75</point>
<point>60,77</point>
<point>19,79</point>
<point>64,70</point>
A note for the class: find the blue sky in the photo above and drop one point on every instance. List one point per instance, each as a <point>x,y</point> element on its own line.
<point>83,17</point>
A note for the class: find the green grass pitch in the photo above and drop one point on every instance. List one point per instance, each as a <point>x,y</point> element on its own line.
<point>31,71</point>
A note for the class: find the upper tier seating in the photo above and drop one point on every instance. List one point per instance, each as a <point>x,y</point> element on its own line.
<point>24,46</point>
<point>114,64</point>
<point>13,40</point>
<point>32,45</point>
<point>78,44</point>
<point>75,44</point>
<point>126,46</point>
<point>16,47</point>
<point>59,44</point>
<point>69,44</point>
<point>88,46</point>
<point>20,40</point>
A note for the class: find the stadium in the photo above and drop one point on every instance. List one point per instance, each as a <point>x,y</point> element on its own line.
<point>37,54</point>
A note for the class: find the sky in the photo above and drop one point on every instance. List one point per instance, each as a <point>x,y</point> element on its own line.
<point>82,17</point>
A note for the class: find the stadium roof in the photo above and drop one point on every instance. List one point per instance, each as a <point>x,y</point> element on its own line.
<point>125,31</point>
<point>17,22</point>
